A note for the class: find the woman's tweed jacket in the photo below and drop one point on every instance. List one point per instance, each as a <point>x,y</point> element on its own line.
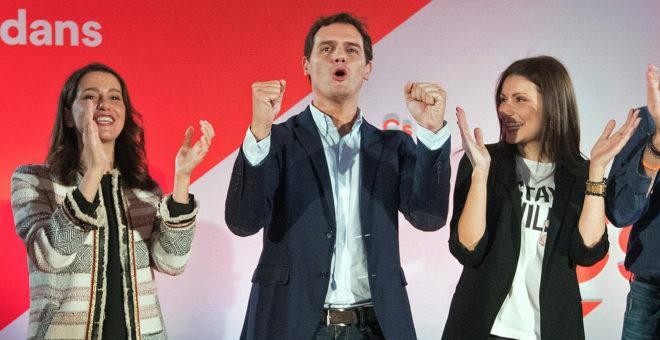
<point>67,251</point>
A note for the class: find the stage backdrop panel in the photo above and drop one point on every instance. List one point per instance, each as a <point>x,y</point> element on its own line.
<point>186,61</point>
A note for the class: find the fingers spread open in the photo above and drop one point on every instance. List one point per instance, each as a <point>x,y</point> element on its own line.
<point>608,129</point>
<point>187,136</point>
<point>631,123</point>
<point>479,137</point>
<point>462,121</point>
<point>204,145</point>
<point>653,78</point>
<point>211,128</point>
<point>653,89</point>
<point>207,129</point>
<point>282,87</point>
<point>632,113</point>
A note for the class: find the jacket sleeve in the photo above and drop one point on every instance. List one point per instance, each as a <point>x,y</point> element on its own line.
<point>52,233</point>
<point>172,236</point>
<point>249,203</point>
<point>588,256</point>
<point>626,201</point>
<point>424,190</point>
<point>469,258</point>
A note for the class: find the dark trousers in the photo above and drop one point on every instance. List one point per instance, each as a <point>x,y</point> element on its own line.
<point>346,332</point>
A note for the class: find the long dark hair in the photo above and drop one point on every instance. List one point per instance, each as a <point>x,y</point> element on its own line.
<point>560,134</point>
<point>65,151</point>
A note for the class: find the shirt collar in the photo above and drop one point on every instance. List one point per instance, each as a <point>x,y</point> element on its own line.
<point>325,125</point>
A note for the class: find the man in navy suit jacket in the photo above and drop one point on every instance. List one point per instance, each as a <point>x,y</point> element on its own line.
<point>326,188</point>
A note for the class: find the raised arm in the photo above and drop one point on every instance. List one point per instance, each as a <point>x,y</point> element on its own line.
<point>591,224</point>
<point>472,220</point>
<point>249,203</point>
<point>635,168</point>
<point>426,172</point>
<point>651,157</point>
<point>52,229</point>
<point>173,233</point>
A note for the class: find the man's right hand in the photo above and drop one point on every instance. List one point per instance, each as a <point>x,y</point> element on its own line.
<point>266,104</point>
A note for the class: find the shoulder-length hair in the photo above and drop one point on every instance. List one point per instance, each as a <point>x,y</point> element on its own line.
<point>560,134</point>
<point>65,149</point>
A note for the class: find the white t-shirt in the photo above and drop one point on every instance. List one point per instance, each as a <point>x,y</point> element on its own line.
<point>520,316</point>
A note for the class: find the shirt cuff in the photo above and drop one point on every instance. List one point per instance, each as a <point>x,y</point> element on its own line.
<point>255,152</point>
<point>433,141</point>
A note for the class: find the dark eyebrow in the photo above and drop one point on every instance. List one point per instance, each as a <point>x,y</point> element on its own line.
<point>97,90</point>
<point>520,93</point>
<point>514,94</point>
<point>328,42</point>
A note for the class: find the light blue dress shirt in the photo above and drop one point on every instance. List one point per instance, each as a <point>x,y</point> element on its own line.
<point>349,281</point>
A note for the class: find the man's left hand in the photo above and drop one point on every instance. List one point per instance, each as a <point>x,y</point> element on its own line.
<point>426,103</point>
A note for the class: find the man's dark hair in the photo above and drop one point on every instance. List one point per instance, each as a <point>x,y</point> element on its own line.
<point>339,18</point>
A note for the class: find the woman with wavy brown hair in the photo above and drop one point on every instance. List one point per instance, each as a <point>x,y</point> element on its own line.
<point>95,224</point>
<point>527,210</point>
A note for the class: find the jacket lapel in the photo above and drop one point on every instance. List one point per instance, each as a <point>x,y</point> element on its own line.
<point>510,179</point>
<point>371,147</point>
<point>308,135</point>
<point>564,187</point>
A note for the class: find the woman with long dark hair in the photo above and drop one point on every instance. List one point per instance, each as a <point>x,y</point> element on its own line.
<point>527,210</point>
<point>95,224</point>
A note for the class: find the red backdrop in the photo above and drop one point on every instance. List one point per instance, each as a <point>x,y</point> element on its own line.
<point>182,60</point>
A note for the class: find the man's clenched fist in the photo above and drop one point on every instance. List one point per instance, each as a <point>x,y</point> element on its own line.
<point>266,104</point>
<point>426,103</point>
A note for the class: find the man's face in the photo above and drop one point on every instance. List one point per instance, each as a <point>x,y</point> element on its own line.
<point>337,65</point>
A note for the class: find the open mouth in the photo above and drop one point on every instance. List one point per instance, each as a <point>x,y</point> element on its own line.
<point>339,74</point>
<point>104,120</point>
<point>511,124</point>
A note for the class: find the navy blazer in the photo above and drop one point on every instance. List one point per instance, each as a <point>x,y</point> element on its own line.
<point>289,196</point>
